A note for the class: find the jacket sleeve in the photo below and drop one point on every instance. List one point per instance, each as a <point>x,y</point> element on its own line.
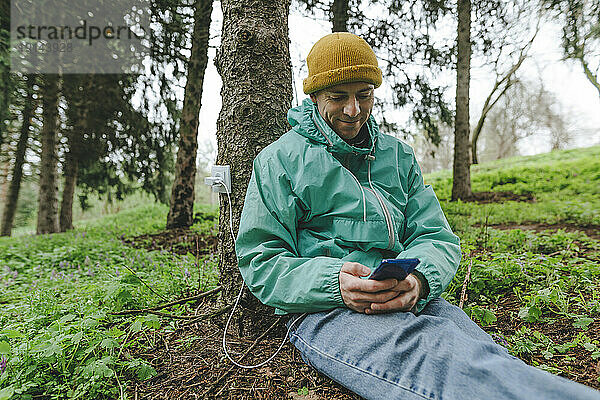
<point>266,248</point>
<point>428,237</point>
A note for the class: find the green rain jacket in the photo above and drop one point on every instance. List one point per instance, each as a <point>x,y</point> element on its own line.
<point>314,202</point>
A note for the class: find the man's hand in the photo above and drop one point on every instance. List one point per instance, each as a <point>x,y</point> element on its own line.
<point>374,297</point>
<point>407,296</point>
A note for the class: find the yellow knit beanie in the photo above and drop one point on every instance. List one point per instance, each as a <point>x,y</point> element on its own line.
<point>340,57</point>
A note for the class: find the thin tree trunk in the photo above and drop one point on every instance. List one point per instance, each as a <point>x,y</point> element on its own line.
<point>71,168</point>
<point>461,183</point>
<point>505,80</point>
<point>10,206</point>
<point>254,63</point>
<point>182,194</point>
<point>48,202</point>
<point>487,107</point>
<point>80,103</point>
<point>4,182</point>
<point>339,15</point>
<point>6,82</point>
<point>589,74</point>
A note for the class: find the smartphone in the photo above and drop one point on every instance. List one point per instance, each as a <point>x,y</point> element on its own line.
<point>397,268</point>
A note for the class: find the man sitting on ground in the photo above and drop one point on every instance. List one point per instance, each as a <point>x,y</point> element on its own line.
<point>327,202</point>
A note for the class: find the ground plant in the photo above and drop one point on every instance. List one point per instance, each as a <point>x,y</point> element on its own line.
<point>101,311</point>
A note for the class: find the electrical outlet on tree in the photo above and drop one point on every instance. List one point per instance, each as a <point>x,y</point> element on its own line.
<point>220,173</point>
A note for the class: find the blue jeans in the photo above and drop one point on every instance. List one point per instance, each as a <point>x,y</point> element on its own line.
<point>438,354</point>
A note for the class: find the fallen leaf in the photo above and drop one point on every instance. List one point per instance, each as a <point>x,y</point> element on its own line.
<point>310,396</point>
<point>267,372</point>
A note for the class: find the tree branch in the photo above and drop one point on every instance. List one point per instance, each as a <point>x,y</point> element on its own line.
<point>185,300</point>
<point>463,293</point>
<point>507,82</point>
<point>588,73</point>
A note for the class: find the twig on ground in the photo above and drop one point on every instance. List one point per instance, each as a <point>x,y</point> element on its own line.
<point>200,272</point>
<point>193,377</point>
<point>197,318</point>
<point>180,378</point>
<point>463,293</point>
<point>123,344</point>
<point>566,251</point>
<point>223,388</point>
<point>172,303</point>
<point>166,315</point>
<point>226,373</point>
<point>145,284</point>
<point>120,387</point>
<point>190,318</point>
<point>167,348</point>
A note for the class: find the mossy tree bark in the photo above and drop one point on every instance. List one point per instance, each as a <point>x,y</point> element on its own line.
<point>254,64</point>
<point>461,181</point>
<point>182,194</point>
<point>47,221</point>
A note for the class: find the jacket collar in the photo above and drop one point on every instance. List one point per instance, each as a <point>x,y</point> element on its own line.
<point>306,120</point>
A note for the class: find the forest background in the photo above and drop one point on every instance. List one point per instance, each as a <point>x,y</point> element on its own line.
<point>114,244</point>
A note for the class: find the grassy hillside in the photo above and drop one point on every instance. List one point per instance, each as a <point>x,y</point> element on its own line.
<point>534,283</point>
<point>565,185</point>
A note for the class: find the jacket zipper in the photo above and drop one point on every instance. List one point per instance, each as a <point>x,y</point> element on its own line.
<point>386,212</point>
<point>363,194</point>
<point>388,219</point>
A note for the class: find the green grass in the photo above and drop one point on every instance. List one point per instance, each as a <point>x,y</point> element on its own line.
<point>57,291</point>
<point>555,278</point>
<point>554,275</point>
<point>565,184</point>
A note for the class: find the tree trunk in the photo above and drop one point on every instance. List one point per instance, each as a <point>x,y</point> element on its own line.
<point>339,15</point>
<point>4,174</point>
<point>6,78</point>
<point>79,93</point>
<point>48,201</point>
<point>182,194</point>
<point>461,182</point>
<point>71,168</point>
<point>254,63</point>
<point>487,107</point>
<point>10,206</point>
<point>506,80</point>
<point>593,78</point>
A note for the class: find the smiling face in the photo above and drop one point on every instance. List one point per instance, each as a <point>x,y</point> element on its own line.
<point>345,107</point>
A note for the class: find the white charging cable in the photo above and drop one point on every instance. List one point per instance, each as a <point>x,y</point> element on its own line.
<point>219,181</point>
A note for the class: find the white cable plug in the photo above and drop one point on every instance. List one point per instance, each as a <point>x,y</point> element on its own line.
<point>219,181</point>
